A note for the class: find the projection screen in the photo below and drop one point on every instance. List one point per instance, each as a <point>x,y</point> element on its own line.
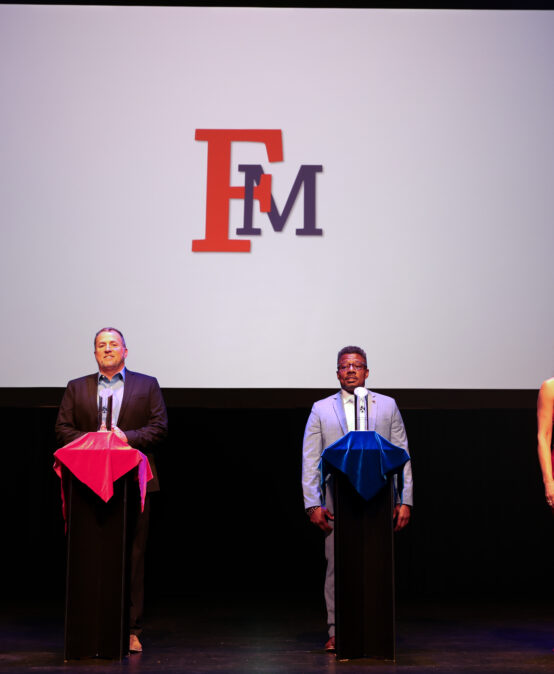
<point>386,176</point>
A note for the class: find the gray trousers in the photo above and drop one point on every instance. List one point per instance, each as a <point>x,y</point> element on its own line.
<point>329,588</point>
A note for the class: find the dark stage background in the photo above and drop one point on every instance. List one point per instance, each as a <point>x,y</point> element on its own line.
<point>229,520</point>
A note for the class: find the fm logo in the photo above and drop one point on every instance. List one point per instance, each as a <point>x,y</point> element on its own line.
<point>257,187</point>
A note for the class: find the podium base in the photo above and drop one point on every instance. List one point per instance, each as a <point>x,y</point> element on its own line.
<point>97,603</point>
<point>364,572</point>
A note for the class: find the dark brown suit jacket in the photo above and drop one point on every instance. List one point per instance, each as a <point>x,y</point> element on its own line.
<point>142,417</point>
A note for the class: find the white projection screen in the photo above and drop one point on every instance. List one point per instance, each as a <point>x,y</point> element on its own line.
<point>421,145</point>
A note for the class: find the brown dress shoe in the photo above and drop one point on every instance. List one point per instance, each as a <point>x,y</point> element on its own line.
<point>330,645</point>
<point>134,644</point>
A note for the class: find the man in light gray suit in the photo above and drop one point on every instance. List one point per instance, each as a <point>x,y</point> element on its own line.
<point>329,420</point>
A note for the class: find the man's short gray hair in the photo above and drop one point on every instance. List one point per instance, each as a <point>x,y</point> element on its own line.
<point>110,330</point>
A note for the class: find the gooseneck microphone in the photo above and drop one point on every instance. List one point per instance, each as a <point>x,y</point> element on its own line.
<point>361,414</point>
<point>105,404</point>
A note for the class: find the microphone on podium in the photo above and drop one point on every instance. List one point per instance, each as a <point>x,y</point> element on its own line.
<point>105,409</point>
<point>361,413</point>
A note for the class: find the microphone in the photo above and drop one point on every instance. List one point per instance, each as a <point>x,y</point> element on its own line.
<point>105,409</point>
<point>361,413</point>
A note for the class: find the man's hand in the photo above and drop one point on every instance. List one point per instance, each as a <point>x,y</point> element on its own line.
<point>401,516</point>
<point>320,517</point>
<point>549,492</point>
<point>120,434</point>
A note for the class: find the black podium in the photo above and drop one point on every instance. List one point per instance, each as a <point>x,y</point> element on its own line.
<point>362,464</point>
<point>98,559</point>
<point>103,490</point>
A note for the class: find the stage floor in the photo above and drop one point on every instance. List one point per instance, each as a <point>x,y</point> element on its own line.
<point>274,635</point>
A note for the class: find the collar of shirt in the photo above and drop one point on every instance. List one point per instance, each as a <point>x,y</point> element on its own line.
<point>346,397</point>
<point>120,376</point>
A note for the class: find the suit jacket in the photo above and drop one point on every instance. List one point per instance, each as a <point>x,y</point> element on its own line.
<point>327,424</point>
<point>142,417</point>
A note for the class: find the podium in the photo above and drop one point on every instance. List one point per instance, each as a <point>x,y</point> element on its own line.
<point>362,465</point>
<point>98,474</point>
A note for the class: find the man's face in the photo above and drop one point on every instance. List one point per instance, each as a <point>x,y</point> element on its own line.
<point>352,371</point>
<point>110,353</point>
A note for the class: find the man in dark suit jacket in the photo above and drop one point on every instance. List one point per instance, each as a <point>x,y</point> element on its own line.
<point>139,418</point>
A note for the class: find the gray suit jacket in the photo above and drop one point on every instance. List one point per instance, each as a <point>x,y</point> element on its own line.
<point>327,424</point>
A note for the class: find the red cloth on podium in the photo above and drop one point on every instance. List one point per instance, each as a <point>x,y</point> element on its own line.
<point>98,460</point>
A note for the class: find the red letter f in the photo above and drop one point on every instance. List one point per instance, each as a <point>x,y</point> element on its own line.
<point>219,191</point>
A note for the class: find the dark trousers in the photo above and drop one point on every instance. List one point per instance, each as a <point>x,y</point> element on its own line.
<point>138,550</point>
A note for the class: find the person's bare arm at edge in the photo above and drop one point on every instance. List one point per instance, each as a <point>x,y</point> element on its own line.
<point>545,410</point>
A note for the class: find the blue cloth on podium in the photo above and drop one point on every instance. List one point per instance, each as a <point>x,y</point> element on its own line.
<point>366,458</point>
